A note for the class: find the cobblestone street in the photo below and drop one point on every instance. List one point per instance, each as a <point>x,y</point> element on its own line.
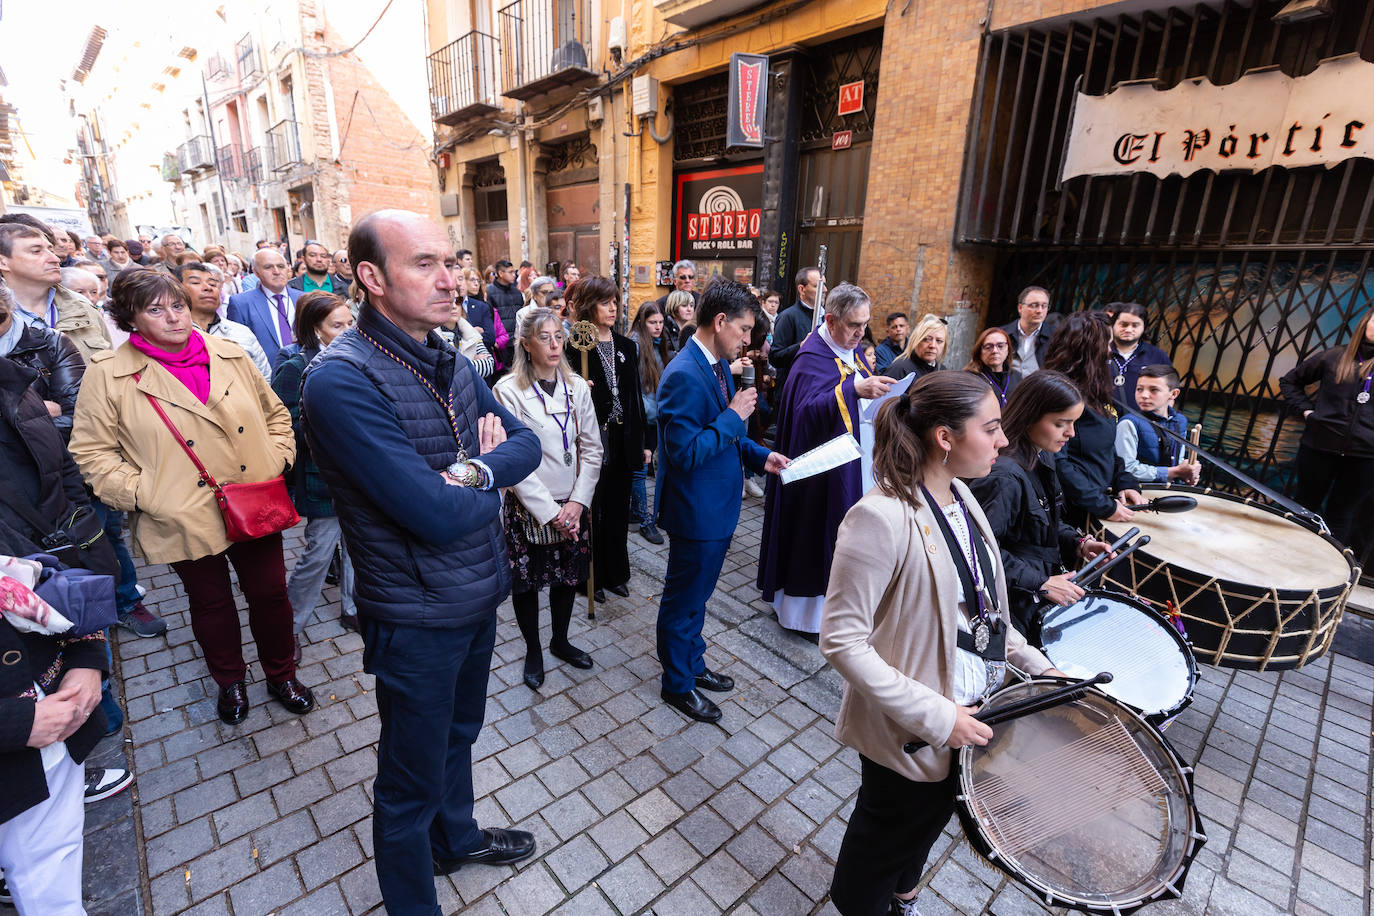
<point>638,811</point>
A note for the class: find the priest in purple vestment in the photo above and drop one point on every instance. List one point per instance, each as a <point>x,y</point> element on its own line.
<point>819,402</point>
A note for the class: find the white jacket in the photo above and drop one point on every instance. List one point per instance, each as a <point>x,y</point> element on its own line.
<point>554,480</point>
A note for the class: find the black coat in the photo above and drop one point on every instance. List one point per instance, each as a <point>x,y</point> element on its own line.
<point>631,399</point>
<point>1339,423</point>
<point>1026,512</point>
<point>903,366</point>
<point>59,366</point>
<point>1090,470</point>
<point>1042,342</point>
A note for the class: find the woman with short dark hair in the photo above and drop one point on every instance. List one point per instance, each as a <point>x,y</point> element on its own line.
<point>613,371</point>
<point>229,416</point>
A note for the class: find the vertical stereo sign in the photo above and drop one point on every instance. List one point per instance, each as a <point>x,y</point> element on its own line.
<point>748,100</point>
<point>719,213</point>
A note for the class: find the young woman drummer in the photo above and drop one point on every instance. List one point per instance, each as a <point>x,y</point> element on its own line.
<point>1095,480</point>
<point>1336,454</point>
<point>916,622</point>
<point>1023,500</point>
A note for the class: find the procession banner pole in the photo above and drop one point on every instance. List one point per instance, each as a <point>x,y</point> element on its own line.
<point>820,289</point>
<point>583,338</point>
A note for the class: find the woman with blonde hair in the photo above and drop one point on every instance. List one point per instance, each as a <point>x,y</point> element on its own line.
<point>547,516</point>
<point>925,347</point>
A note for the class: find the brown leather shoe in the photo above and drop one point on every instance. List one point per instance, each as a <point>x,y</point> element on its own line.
<point>233,703</point>
<point>292,694</point>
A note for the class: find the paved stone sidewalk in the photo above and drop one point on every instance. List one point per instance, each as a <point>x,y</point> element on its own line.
<point>638,811</point>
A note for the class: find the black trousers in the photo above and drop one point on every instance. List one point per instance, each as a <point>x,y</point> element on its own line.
<point>611,516</point>
<point>1344,484</point>
<point>895,823</point>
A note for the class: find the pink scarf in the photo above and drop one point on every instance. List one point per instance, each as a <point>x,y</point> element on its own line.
<point>190,365</point>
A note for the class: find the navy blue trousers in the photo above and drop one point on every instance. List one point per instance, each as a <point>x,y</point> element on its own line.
<point>693,568</point>
<point>432,696</point>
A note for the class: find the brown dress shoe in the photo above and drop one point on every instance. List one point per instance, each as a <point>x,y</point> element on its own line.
<point>292,694</point>
<point>233,703</point>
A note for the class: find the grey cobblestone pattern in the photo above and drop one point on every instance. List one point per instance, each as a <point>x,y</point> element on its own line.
<point>637,811</point>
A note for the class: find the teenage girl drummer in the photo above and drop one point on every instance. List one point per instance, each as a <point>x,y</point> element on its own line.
<point>916,622</point>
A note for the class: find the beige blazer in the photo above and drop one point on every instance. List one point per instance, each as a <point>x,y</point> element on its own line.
<point>554,480</point>
<point>889,627</point>
<point>132,461</point>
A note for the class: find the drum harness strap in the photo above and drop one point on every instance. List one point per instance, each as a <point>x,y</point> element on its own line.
<point>994,648</point>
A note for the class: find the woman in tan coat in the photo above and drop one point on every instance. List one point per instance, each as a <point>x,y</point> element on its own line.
<point>239,429</point>
<point>899,630</point>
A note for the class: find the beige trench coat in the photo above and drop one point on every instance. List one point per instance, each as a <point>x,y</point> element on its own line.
<point>132,461</point>
<point>890,624</point>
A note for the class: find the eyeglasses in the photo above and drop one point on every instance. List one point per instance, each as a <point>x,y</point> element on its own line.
<point>686,276</point>
<point>995,345</point>
<point>546,338</point>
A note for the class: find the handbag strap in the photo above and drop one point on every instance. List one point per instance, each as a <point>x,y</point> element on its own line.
<point>185,446</point>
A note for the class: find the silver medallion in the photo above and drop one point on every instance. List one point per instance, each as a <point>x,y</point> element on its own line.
<point>567,457</point>
<point>981,635</point>
<point>1119,381</point>
<point>1362,397</point>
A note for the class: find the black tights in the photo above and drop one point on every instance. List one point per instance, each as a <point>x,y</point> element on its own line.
<point>561,599</point>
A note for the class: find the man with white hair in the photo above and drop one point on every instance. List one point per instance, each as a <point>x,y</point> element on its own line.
<point>95,247</point>
<point>172,246</point>
<point>821,401</point>
<point>270,308</point>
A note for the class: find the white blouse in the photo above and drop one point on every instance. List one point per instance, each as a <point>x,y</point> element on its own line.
<point>970,671</point>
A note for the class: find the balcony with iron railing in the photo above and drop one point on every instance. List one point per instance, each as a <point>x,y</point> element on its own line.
<point>283,146</point>
<point>216,68</point>
<point>230,162</point>
<point>545,44</point>
<point>246,53</point>
<point>196,154</point>
<point>252,161</point>
<point>464,79</point>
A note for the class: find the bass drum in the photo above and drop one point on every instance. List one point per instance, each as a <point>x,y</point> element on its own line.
<point>1256,588</point>
<point>1084,803</point>
<point>1153,668</point>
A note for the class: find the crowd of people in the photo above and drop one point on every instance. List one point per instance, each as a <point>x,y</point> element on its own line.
<point>447,445</point>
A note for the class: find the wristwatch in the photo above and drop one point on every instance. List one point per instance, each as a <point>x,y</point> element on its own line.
<point>465,472</point>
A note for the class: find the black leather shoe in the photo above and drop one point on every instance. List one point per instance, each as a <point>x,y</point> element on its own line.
<point>349,622</point>
<point>710,680</point>
<point>233,703</point>
<point>600,596</point>
<point>499,847</point>
<point>572,655</point>
<point>534,671</point>
<point>650,534</point>
<point>293,695</point>
<point>692,704</point>
<point>621,590</point>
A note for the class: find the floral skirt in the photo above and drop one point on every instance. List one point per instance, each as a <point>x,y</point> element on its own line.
<point>535,566</point>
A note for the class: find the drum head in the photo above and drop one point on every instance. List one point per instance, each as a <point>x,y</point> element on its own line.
<point>1084,803</point>
<point>1152,667</point>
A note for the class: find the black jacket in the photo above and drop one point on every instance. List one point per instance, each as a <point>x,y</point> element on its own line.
<point>791,328</point>
<point>631,399</point>
<point>308,490</point>
<point>30,658</point>
<point>1026,512</point>
<point>59,366</point>
<point>1090,470</point>
<point>903,366</point>
<point>1042,342</point>
<point>506,301</point>
<point>1339,423</point>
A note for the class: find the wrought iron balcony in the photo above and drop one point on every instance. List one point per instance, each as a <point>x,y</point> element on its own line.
<point>464,79</point>
<point>216,68</point>
<point>246,52</point>
<point>546,44</point>
<point>196,154</point>
<point>230,162</point>
<point>283,146</point>
<point>252,161</point>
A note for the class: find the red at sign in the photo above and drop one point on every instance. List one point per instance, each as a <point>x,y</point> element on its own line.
<point>852,98</point>
<point>842,139</point>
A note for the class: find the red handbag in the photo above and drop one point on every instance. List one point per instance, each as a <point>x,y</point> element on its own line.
<point>250,510</point>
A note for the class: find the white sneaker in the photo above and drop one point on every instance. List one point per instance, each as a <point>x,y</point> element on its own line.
<point>103,783</point>
<point>902,907</point>
<point>751,488</point>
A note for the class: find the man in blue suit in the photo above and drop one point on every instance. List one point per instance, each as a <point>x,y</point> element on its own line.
<point>702,442</point>
<point>270,309</point>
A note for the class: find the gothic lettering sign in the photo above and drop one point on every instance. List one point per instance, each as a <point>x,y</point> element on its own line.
<point>719,213</point>
<point>1265,118</point>
<point>748,100</point>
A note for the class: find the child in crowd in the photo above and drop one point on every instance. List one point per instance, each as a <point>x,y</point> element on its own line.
<point>1150,455</point>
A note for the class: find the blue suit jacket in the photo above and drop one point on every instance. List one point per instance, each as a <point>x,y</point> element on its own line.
<point>701,446</point>
<point>258,312</point>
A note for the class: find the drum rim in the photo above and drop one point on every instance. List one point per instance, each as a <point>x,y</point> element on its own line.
<point>1283,594</point>
<point>1163,716</point>
<point>1196,831</point>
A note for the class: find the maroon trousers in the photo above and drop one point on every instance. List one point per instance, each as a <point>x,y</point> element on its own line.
<point>215,617</point>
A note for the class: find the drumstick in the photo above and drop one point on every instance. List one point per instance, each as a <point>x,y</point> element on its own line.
<point>1176,502</point>
<point>1102,557</point>
<point>1100,571</point>
<point>1195,437</point>
<point>1030,705</point>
